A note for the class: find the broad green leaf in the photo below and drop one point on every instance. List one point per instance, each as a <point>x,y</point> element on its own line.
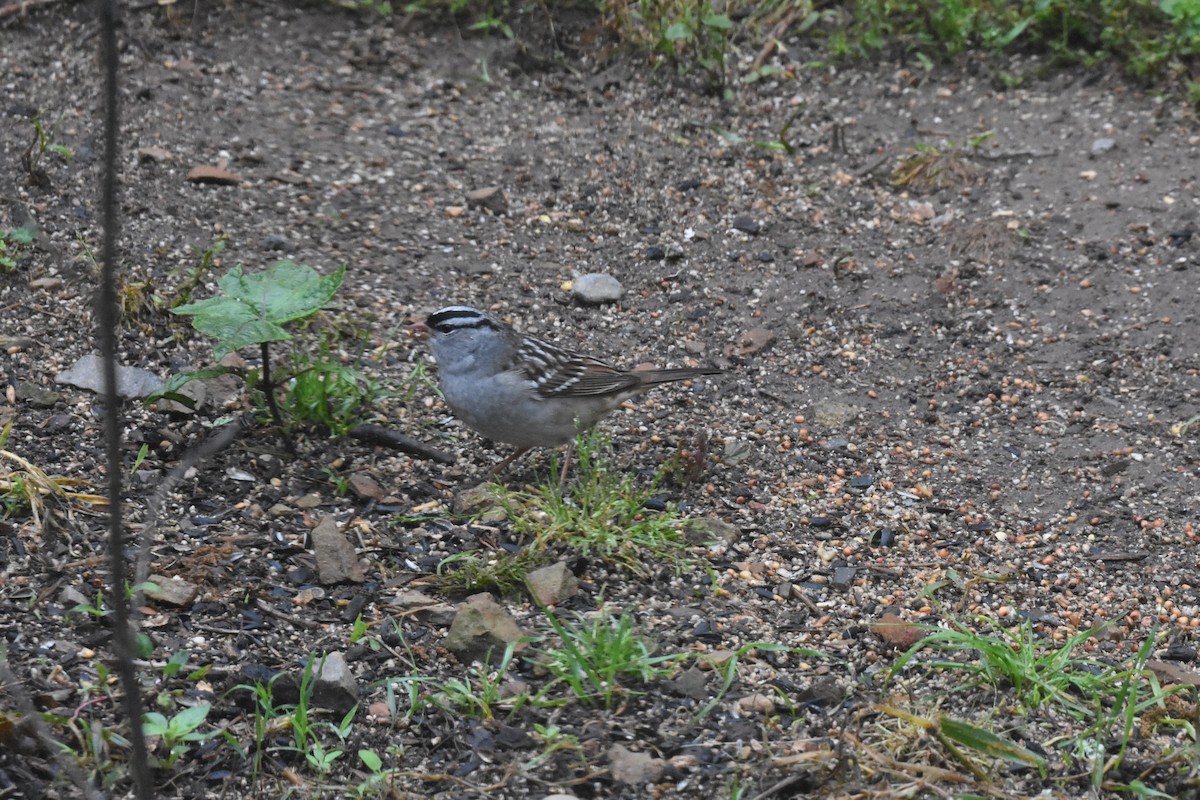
<point>717,21</point>
<point>154,724</point>
<point>252,308</point>
<point>677,32</point>
<point>189,719</point>
<point>22,235</point>
<point>287,291</point>
<point>373,762</point>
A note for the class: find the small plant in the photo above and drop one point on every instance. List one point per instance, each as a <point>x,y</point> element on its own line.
<point>1107,699</point>
<point>685,33</point>
<point>419,380</point>
<point>180,732</point>
<point>601,513</point>
<point>157,295</point>
<point>253,310</point>
<point>309,735</point>
<point>95,608</point>
<point>927,168</point>
<point>11,243</point>
<point>956,737</point>
<point>43,142</point>
<point>306,738</point>
<point>553,741</point>
<point>359,634</point>
<point>380,7</point>
<point>490,570</point>
<point>597,657</point>
<point>323,391</point>
<point>376,782</point>
<point>25,488</point>
<point>480,695</point>
<point>96,748</point>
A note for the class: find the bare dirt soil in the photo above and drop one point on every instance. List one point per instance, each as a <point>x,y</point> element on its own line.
<point>959,323</point>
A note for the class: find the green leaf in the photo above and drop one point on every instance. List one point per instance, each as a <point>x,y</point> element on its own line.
<point>717,21</point>
<point>170,389</point>
<point>154,724</point>
<point>144,645</point>
<point>232,323</point>
<point>175,663</point>
<point>252,308</point>
<point>22,235</point>
<point>371,760</point>
<point>989,743</point>
<point>677,32</point>
<point>189,719</point>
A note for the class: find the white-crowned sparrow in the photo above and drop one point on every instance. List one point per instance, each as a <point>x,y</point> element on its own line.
<point>521,390</point>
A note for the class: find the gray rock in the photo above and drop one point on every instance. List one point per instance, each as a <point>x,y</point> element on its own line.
<point>553,584</point>
<point>337,562</point>
<point>195,391</point>
<point>37,396</point>
<point>481,627</point>
<point>692,683</point>
<point>490,197</point>
<point>596,288</point>
<point>833,413</point>
<point>71,597</point>
<point>173,591</point>
<point>334,685</point>
<point>88,373</point>
<point>717,531</point>
<point>1103,145</point>
<point>425,608</point>
<point>474,500</point>
<point>843,577</point>
<point>746,224</point>
<point>633,768</point>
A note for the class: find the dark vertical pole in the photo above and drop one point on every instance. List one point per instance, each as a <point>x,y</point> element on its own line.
<point>106,318</point>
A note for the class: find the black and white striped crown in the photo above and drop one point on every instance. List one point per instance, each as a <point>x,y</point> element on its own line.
<point>456,318</point>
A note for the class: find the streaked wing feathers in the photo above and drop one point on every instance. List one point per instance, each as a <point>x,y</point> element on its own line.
<point>559,373</point>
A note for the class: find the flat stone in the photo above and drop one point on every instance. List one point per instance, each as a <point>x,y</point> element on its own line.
<point>173,591</point>
<point>365,486</point>
<point>711,529</point>
<point>214,175</point>
<point>337,561</point>
<point>843,577</point>
<point>490,197</point>
<point>194,391</point>
<point>36,395</point>
<point>746,224</point>
<point>88,373</point>
<point>833,413</point>
<point>633,768</point>
<point>552,584</point>
<point>750,342</point>
<point>425,608</point>
<point>596,288</point>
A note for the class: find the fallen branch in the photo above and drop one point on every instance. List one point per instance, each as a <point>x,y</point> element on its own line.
<point>386,437</point>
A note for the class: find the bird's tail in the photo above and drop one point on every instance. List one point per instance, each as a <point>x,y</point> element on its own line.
<point>653,377</point>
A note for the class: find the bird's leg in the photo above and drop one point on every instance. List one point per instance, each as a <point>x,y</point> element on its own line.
<point>494,471</point>
<point>566,466</point>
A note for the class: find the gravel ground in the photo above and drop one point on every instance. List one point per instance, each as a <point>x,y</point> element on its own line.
<point>959,329</point>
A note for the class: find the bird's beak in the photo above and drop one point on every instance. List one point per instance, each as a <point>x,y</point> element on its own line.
<point>419,331</point>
